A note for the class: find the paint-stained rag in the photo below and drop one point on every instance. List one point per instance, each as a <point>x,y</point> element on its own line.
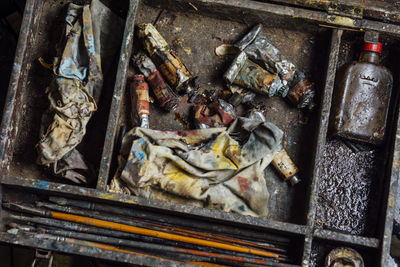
<point>216,168</point>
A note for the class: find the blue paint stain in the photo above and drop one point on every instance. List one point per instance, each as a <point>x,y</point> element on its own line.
<point>90,44</point>
<point>138,152</point>
<point>242,208</point>
<point>97,250</point>
<point>42,184</point>
<point>139,155</point>
<point>141,141</point>
<point>69,68</point>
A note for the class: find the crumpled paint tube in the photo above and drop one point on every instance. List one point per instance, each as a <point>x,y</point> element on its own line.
<point>217,114</point>
<point>216,168</point>
<point>183,112</point>
<point>140,98</point>
<point>166,98</point>
<point>248,74</point>
<point>282,162</point>
<point>259,48</point>
<point>175,72</point>
<point>241,96</point>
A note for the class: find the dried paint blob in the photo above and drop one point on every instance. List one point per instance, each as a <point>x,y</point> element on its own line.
<point>345,188</point>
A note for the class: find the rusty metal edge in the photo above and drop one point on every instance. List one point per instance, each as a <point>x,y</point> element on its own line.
<point>156,205</point>
<point>119,90</point>
<point>17,83</point>
<point>29,240</point>
<point>305,262</point>
<point>323,234</point>
<point>323,114</point>
<point>260,9</point>
<point>379,11</point>
<point>392,193</point>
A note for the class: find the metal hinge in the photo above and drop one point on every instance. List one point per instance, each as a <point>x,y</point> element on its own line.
<point>42,255</point>
<point>344,14</point>
<point>345,10</point>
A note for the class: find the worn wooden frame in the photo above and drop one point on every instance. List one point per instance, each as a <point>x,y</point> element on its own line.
<point>228,9</point>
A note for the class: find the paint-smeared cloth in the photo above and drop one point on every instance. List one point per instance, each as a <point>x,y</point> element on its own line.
<point>76,87</point>
<point>216,168</point>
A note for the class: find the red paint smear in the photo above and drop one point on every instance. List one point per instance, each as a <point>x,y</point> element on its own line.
<point>243,184</point>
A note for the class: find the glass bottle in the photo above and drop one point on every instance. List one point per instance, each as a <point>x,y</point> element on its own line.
<point>361,97</point>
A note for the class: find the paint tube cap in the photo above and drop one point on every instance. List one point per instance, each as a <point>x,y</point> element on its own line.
<point>294,180</point>
<point>373,47</point>
<point>138,77</point>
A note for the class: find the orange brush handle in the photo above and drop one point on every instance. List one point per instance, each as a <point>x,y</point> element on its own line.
<point>163,235</point>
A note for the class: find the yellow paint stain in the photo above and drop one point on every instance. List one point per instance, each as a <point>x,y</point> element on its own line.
<point>191,141</point>
<point>109,196</point>
<point>144,169</point>
<point>113,196</point>
<point>169,72</point>
<point>179,41</point>
<point>342,28</point>
<point>219,148</point>
<point>194,7</point>
<point>177,175</point>
<point>342,21</point>
<point>44,64</point>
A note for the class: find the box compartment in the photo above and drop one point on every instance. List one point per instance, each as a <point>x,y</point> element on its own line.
<point>321,248</point>
<point>290,242</point>
<point>287,204</point>
<point>352,185</point>
<point>33,101</point>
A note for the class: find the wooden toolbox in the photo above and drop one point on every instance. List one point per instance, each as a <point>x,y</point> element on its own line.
<point>318,36</point>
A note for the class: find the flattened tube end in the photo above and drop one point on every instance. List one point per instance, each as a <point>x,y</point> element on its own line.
<point>302,95</point>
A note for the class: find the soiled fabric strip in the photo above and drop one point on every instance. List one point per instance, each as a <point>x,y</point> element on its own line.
<point>216,167</point>
<point>76,87</point>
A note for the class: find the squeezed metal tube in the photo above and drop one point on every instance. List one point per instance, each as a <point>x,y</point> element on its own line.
<point>248,74</point>
<point>282,162</point>
<point>175,72</point>
<point>166,98</point>
<point>258,47</point>
<point>140,98</point>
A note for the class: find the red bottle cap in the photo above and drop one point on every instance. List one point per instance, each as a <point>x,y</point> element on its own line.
<point>373,47</point>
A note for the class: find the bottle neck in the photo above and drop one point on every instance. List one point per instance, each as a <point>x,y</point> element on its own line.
<point>369,56</point>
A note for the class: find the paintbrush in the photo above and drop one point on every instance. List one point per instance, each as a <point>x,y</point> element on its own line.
<point>57,224</point>
<point>174,220</point>
<point>195,254</point>
<point>135,230</point>
<point>175,230</point>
